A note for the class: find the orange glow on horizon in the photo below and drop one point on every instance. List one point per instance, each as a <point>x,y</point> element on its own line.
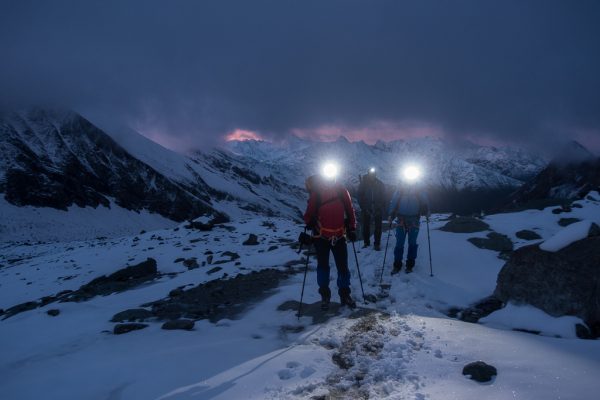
<point>242,135</point>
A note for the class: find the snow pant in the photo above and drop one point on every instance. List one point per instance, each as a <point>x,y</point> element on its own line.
<point>340,255</point>
<point>408,226</point>
<point>366,225</point>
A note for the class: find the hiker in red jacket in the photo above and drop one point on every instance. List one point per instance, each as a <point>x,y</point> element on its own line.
<point>330,215</point>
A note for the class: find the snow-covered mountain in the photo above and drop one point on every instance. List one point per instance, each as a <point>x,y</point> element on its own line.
<point>571,174</point>
<point>59,159</point>
<point>448,165</point>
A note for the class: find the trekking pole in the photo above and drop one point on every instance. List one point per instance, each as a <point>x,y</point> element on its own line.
<point>429,243</point>
<point>304,281</point>
<point>359,276</point>
<point>303,284</point>
<point>387,242</point>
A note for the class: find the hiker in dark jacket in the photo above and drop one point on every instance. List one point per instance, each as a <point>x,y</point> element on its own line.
<point>371,199</point>
<point>408,203</point>
<point>330,215</point>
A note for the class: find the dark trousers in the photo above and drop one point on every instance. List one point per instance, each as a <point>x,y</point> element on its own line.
<point>340,255</point>
<point>366,226</point>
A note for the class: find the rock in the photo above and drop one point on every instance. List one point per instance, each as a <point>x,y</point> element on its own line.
<point>494,241</point>
<point>119,281</point>
<point>53,312</point>
<point>124,328</point>
<point>132,315</point>
<point>272,248</point>
<point>19,308</point>
<point>251,241</point>
<point>178,260</point>
<point>200,226</point>
<point>480,371</point>
<point>181,324</point>
<point>566,282</point>
<point>213,270</point>
<point>191,263</point>
<point>567,221</point>
<point>465,225</point>
<point>583,332</point>
<point>233,256</point>
<point>528,235</point>
<point>481,309</point>
<point>176,292</point>
<point>209,259</point>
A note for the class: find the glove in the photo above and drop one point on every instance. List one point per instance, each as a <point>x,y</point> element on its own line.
<point>305,239</point>
<point>352,236</point>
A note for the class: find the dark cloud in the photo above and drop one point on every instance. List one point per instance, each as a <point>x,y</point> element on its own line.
<point>506,70</point>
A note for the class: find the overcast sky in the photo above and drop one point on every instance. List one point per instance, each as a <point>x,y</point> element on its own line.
<point>189,73</point>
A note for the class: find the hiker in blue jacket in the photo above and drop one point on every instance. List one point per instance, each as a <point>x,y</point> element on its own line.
<point>408,203</point>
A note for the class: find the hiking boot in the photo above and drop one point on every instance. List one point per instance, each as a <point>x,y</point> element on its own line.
<point>346,299</point>
<point>410,264</point>
<point>397,267</point>
<point>325,298</point>
<point>376,247</point>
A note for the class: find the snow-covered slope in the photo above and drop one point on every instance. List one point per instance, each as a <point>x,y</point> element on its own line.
<point>404,346</point>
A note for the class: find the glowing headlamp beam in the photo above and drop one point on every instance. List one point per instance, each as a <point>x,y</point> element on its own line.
<point>411,173</point>
<point>330,170</point>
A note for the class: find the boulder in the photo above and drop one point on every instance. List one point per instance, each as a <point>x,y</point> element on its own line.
<point>199,226</point>
<point>131,315</point>
<point>179,324</point>
<point>124,328</point>
<point>480,371</point>
<point>565,282</point>
<point>251,241</point>
<point>465,225</point>
<point>528,235</point>
<point>53,312</point>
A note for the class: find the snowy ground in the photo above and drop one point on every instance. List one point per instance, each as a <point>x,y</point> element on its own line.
<point>409,349</point>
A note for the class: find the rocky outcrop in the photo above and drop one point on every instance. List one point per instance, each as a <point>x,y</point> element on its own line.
<point>480,371</point>
<point>566,282</point>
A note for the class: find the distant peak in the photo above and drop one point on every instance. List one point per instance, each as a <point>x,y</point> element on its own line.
<point>572,152</point>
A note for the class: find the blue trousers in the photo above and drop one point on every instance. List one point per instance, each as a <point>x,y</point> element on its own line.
<point>412,231</point>
<point>340,255</point>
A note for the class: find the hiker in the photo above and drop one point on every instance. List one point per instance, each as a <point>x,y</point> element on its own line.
<point>371,199</point>
<point>408,203</point>
<point>330,216</point>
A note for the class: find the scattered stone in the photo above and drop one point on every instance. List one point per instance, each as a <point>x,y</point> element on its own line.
<point>494,241</point>
<point>465,225</point>
<point>178,260</point>
<point>238,263</point>
<point>566,282</point>
<point>480,371</point>
<point>213,270</point>
<point>528,235</point>
<point>208,252</point>
<point>125,328</point>
<point>272,248</point>
<point>557,210</point>
<point>251,241</point>
<point>233,256</point>
<point>191,263</point>
<point>53,312</point>
<point>292,328</point>
<point>199,226</point>
<point>209,259</point>
<point>132,315</point>
<point>179,324</point>
<point>567,221</point>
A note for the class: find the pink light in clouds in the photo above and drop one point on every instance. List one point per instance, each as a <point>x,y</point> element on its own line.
<point>242,135</point>
<point>380,130</point>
